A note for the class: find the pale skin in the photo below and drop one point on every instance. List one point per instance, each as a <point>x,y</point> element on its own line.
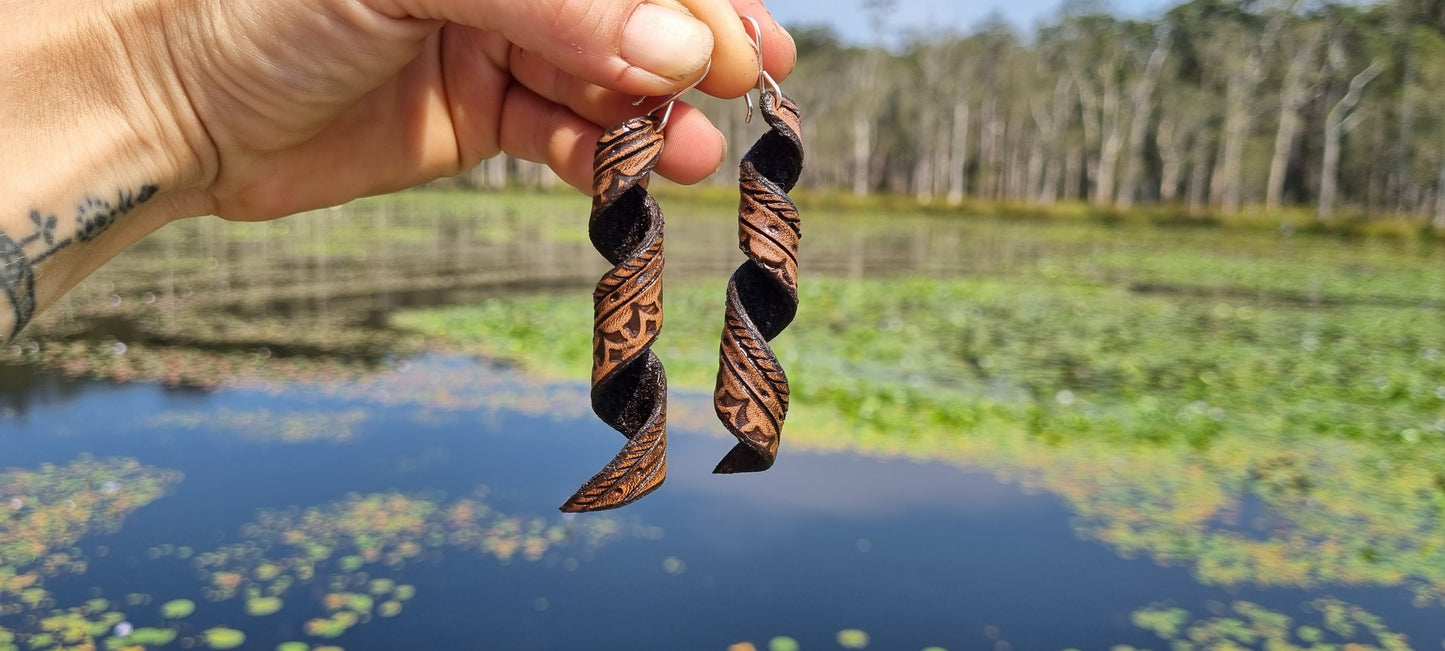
<point>118,117</point>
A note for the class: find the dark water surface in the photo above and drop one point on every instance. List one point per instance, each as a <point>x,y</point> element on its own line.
<point>277,387</point>
<point>916,554</point>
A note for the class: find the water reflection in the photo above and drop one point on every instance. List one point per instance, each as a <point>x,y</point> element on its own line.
<point>952,440</point>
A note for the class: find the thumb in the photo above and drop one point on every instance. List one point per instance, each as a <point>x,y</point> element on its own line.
<point>643,47</point>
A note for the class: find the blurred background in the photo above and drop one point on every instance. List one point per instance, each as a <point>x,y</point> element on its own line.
<point>1120,328</point>
<point>1298,111</point>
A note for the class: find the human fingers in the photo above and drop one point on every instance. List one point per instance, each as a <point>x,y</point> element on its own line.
<point>605,106</point>
<point>695,147</point>
<point>477,79</point>
<point>780,53</point>
<point>734,68</point>
<point>601,106</point>
<point>646,47</point>
<point>539,130</point>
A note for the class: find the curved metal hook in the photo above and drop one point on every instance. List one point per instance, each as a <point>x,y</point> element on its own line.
<point>766,83</point>
<point>666,105</point>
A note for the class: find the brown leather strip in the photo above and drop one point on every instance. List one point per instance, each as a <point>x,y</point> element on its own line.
<point>752,392</point>
<point>629,385</point>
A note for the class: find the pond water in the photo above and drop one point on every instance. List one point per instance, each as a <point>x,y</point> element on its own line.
<point>319,433</point>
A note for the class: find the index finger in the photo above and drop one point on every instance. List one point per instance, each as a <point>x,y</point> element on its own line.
<point>780,53</point>
<point>734,59</point>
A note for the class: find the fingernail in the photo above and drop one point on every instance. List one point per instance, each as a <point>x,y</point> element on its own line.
<point>665,42</point>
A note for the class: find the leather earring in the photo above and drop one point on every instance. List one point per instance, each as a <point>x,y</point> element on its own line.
<point>751,396</point>
<point>629,384</point>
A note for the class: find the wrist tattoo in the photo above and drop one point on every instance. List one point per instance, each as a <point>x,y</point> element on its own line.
<point>46,236</point>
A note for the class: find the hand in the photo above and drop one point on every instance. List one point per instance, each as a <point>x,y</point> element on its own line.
<point>117,116</point>
<point>301,104</point>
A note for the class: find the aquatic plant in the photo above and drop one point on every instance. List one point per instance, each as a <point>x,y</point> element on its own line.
<point>344,545</point>
<point>221,637</point>
<point>381,587</point>
<point>142,637</point>
<point>852,638</point>
<point>389,609</point>
<point>52,508</point>
<point>44,514</point>
<point>1242,624</point>
<point>1155,415</point>
<point>178,609</point>
<point>1334,625</point>
<point>262,425</point>
<point>262,606</point>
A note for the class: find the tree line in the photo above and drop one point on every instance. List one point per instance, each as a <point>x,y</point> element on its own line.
<point>1217,105</point>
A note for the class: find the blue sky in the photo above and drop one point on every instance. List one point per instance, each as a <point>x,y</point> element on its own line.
<point>850,19</point>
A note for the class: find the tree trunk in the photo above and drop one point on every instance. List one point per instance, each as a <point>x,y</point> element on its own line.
<point>1198,172</point>
<point>1291,98</point>
<point>939,183</point>
<point>1439,221</point>
<point>1073,173</point>
<point>1403,184</point>
<point>1226,185</point>
<point>989,156</point>
<point>1113,145</point>
<point>923,165</point>
<point>1038,153</point>
<point>1093,128</point>
<point>1341,119</point>
<point>1142,107</point>
<point>1171,159</point>
<point>1102,117</point>
<point>1058,126</point>
<point>958,156</point>
<point>1279,163</point>
<point>862,147</point>
<point>1018,176</point>
<point>1224,190</point>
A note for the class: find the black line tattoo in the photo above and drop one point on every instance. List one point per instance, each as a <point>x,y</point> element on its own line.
<point>17,277</point>
<point>19,257</point>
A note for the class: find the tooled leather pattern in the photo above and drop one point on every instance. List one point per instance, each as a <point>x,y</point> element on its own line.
<point>752,392</point>
<point>629,385</point>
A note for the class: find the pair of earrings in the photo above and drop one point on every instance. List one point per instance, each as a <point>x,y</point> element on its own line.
<point>629,384</point>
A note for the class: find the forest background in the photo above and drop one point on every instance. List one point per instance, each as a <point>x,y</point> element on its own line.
<point>1307,111</point>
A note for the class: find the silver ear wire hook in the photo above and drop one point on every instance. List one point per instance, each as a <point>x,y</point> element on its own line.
<point>766,83</point>
<point>667,104</point>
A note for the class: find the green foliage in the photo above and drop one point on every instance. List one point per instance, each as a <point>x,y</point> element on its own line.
<point>221,637</point>
<point>1246,625</point>
<point>1155,387</point>
<point>144,637</point>
<point>178,609</point>
<point>263,606</point>
<point>44,513</point>
<point>852,638</point>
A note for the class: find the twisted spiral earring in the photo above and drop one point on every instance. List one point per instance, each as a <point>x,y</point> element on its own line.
<point>629,384</point>
<point>751,397</point>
